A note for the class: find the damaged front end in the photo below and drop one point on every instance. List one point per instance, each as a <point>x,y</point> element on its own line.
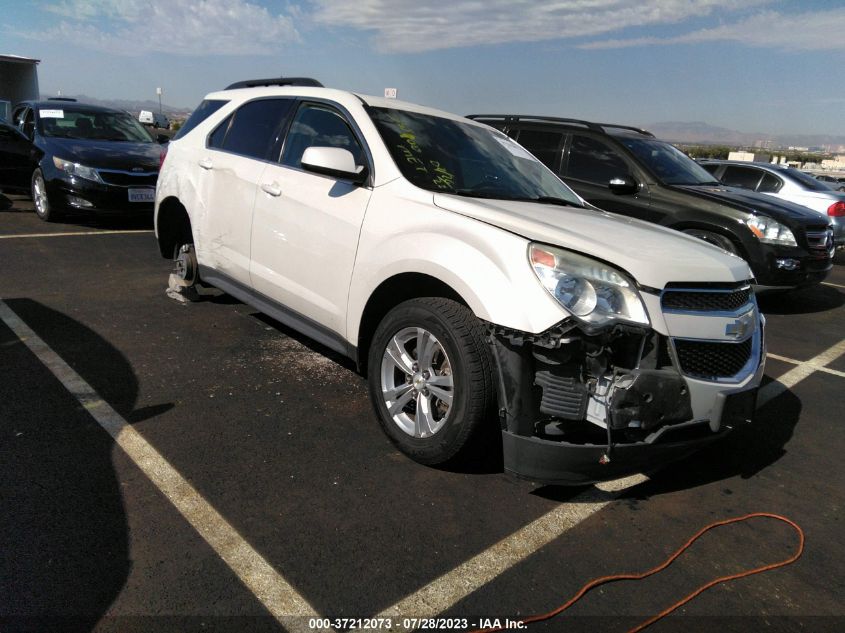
<point>580,404</point>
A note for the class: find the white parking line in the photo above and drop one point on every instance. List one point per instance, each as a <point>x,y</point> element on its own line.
<point>274,592</point>
<point>826,370</point>
<point>452,587</point>
<point>799,373</point>
<point>827,283</point>
<point>73,233</point>
<point>455,585</point>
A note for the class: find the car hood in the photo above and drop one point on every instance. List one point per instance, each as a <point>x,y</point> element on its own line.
<point>787,213</point>
<point>651,254</point>
<point>106,154</point>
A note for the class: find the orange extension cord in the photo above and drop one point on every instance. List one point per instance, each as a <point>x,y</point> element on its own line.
<point>606,579</point>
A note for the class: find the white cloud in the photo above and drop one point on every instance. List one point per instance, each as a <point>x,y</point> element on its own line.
<point>810,31</point>
<point>187,27</point>
<point>415,26</point>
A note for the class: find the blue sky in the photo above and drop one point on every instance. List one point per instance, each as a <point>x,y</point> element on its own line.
<point>769,66</point>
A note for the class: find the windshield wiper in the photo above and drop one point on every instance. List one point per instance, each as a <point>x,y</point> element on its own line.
<point>563,202</point>
<point>470,193</point>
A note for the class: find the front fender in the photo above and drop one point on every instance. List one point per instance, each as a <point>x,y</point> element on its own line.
<point>487,266</point>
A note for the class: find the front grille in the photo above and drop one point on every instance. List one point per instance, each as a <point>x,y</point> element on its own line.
<point>127,179</point>
<point>706,359</point>
<point>698,301</point>
<point>820,241</point>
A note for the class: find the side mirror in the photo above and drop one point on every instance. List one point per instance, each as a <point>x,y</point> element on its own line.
<point>162,139</point>
<point>623,185</point>
<point>335,162</point>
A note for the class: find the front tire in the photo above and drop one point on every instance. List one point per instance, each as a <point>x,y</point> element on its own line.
<point>43,208</point>
<point>430,378</point>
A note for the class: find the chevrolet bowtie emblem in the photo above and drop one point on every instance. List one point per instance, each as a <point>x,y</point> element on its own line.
<point>740,328</point>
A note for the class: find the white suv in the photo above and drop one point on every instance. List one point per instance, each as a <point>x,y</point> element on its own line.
<point>474,288</point>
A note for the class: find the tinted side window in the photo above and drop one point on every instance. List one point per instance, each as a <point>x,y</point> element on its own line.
<point>256,127</point>
<point>711,167</point>
<point>594,161</point>
<point>746,177</point>
<point>770,184</point>
<point>203,111</point>
<point>319,126</point>
<point>544,145</point>
<point>215,139</point>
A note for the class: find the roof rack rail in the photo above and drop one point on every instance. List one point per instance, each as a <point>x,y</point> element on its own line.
<point>61,99</point>
<point>590,125</point>
<point>275,81</point>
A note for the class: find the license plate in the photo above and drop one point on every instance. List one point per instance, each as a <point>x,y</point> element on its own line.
<point>142,195</point>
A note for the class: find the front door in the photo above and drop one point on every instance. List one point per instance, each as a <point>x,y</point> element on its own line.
<point>306,226</point>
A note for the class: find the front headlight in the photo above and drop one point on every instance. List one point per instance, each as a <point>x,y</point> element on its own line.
<point>75,169</point>
<point>769,231</point>
<point>589,289</point>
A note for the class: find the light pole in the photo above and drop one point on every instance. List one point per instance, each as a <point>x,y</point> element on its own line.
<point>158,92</point>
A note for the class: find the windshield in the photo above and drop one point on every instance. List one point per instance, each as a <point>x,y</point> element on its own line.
<point>64,122</point>
<point>668,163</point>
<point>449,156</point>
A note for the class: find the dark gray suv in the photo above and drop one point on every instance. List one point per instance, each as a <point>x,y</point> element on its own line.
<point>628,171</point>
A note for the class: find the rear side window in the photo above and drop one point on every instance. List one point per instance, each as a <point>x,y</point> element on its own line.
<point>215,139</point>
<point>770,184</point>
<point>203,111</point>
<point>256,127</point>
<point>711,167</point>
<point>594,161</point>
<point>544,145</point>
<point>746,177</point>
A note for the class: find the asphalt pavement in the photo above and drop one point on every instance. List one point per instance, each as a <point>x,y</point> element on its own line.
<point>244,483</point>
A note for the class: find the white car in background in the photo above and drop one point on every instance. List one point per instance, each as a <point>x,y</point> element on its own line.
<point>786,183</point>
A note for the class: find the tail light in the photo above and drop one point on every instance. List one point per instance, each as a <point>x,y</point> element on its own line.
<point>836,210</point>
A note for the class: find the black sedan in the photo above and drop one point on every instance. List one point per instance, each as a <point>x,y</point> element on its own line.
<point>76,157</point>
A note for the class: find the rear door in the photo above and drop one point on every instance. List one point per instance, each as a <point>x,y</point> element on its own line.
<point>306,226</point>
<point>237,152</point>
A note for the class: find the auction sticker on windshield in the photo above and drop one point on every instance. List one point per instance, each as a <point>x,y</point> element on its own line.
<point>52,114</point>
<point>142,195</point>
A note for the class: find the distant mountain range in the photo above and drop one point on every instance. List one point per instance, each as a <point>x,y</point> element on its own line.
<point>133,106</point>
<point>700,132</point>
<point>674,131</point>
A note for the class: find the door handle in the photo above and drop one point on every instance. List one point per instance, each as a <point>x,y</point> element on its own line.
<point>272,188</point>
<point>206,163</point>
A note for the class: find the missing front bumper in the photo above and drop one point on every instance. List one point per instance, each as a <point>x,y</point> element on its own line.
<point>578,408</point>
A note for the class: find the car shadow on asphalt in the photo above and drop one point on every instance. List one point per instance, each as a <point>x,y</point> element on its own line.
<point>5,203</point>
<point>808,300</point>
<point>65,535</point>
<point>746,451</point>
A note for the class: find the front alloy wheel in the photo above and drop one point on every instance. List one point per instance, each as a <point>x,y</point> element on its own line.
<point>416,382</point>
<point>430,378</point>
<point>39,198</point>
